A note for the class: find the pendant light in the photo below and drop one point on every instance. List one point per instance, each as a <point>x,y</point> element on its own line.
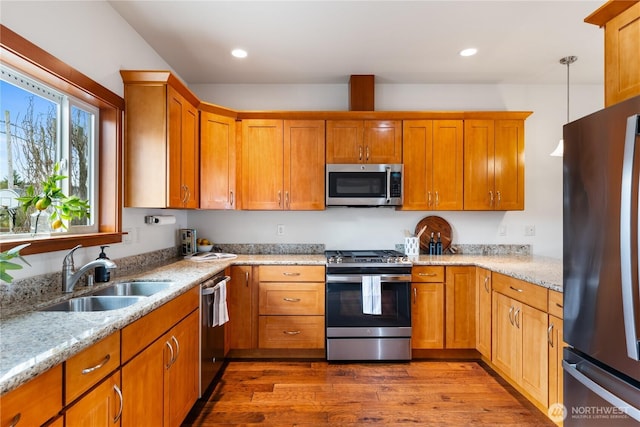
<point>567,60</point>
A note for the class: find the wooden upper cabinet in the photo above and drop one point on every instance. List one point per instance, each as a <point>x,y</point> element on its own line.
<point>282,164</point>
<point>304,179</point>
<point>161,154</point>
<point>621,22</point>
<point>493,164</point>
<point>184,164</point>
<point>217,161</point>
<point>364,141</point>
<point>433,164</point>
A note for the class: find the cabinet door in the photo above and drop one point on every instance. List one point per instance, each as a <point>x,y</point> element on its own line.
<point>509,165</point>
<point>447,165</point>
<point>621,47</point>
<point>506,349</point>
<point>143,387</point>
<point>304,179</point>
<point>382,141</point>
<point>555,345</point>
<point>478,164</point>
<point>217,161</point>
<point>102,407</point>
<point>483,314</point>
<point>262,165</point>
<point>184,166</point>
<point>417,143</point>
<point>460,307</point>
<point>427,315</point>
<point>242,322</point>
<point>34,402</point>
<point>534,370</point>
<point>181,378</point>
<point>345,141</point>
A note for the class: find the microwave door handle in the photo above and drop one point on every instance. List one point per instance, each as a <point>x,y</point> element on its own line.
<point>388,170</point>
<point>627,249</point>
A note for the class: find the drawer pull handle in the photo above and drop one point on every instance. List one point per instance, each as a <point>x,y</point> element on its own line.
<point>119,393</point>
<point>515,289</point>
<point>172,358</point>
<point>291,332</point>
<point>15,420</point>
<point>427,274</point>
<point>292,299</point>
<point>559,305</point>
<point>173,338</point>
<point>98,366</point>
<point>291,274</point>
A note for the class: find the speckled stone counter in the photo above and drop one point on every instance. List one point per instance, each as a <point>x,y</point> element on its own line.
<point>543,271</point>
<point>33,341</point>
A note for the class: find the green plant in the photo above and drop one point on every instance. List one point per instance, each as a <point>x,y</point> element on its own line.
<point>64,207</point>
<point>5,264</point>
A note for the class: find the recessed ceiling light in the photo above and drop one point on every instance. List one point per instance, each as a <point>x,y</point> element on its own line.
<point>239,53</point>
<point>469,51</point>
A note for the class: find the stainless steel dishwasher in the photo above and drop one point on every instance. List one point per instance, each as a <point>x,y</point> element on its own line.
<point>211,337</point>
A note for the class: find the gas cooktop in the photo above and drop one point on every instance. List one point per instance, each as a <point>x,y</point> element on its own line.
<point>367,257</point>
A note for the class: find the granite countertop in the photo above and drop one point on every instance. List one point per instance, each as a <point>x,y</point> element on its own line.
<point>34,341</point>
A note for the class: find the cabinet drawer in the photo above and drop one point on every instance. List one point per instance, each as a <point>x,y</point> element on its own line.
<point>555,304</point>
<point>431,274</point>
<point>291,298</point>
<point>291,273</point>
<point>35,402</point>
<point>142,332</point>
<point>291,332</point>
<point>528,293</point>
<point>90,366</point>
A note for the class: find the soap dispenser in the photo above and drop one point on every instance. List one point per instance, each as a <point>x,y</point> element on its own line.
<point>102,274</point>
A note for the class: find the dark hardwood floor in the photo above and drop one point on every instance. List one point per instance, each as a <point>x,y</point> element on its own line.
<point>317,393</point>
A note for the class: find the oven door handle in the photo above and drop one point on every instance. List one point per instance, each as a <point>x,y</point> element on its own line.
<point>384,278</point>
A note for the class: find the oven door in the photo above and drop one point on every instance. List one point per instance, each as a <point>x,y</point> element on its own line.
<point>344,311</point>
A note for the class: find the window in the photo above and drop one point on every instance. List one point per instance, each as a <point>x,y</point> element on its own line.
<point>91,117</point>
<point>41,127</point>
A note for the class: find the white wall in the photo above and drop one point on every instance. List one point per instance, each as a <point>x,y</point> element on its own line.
<point>91,37</point>
<point>341,228</point>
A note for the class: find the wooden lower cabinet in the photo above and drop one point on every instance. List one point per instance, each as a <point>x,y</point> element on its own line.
<point>160,385</point>
<point>427,315</point>
<point>101,407</point>
<point>35,402</point>
<point>460,311</point>
<point>291,307</point>
<point>242,327</point>
<point>427,307</point>
<point>483,312</point>
<point>519,346</point>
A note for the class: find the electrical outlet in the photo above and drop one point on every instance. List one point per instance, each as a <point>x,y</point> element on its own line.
<point>280,230</point>
<point>126,238</point>
<point>529,230</point>
<point>502,231</point>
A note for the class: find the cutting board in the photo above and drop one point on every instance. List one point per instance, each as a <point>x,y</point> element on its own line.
<point>435,225</point>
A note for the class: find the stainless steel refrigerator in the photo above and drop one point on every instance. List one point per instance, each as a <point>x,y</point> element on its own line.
<point>601,167</point>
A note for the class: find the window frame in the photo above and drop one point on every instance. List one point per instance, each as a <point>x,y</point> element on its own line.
<point>27,58</point>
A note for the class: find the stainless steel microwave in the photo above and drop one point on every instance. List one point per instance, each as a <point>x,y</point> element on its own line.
<point>364,185</point>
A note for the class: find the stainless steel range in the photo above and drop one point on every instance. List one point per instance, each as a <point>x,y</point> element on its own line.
<point>368,305</point>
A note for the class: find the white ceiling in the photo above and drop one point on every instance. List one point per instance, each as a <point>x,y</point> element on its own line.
<point>309,42</point>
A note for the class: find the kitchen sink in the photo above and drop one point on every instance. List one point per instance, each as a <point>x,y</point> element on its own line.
<point>94,303</point>
<point>135,288</point>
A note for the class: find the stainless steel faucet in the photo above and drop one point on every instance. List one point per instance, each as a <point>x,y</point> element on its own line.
<point>70,277</point>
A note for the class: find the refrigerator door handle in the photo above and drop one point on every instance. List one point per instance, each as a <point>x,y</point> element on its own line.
<point>627,249</point>
<point>629,409</point>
